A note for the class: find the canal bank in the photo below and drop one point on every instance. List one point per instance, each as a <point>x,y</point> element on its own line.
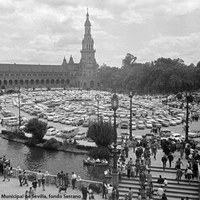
<point>71,149</point>
<point>35,159</point>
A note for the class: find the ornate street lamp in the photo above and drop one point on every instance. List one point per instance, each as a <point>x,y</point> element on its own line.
<point>130,124</point>
<point>115,104</point>
<point>19,106</point>
<point>189,99</point>
<point>98,98</point>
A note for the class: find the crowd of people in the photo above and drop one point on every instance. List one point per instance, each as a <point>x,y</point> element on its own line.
<point>146,150</point>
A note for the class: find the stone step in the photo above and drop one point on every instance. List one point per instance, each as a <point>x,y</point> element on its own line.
<point>194,183</point>
<point>170,195</point>
<point>178,187</point>
<point>174,190</point>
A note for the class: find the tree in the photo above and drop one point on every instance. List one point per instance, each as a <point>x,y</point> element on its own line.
<point>37,128</point>
<point>102,133</point>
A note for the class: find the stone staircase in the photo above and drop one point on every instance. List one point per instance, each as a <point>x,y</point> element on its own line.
<point>174,190</point>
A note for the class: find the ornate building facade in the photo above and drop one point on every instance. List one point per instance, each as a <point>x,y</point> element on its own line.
<point>69,74</point>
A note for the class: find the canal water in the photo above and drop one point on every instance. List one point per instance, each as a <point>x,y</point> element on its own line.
<point>34,158</point>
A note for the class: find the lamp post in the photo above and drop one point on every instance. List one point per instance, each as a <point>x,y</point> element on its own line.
<point>187,117</point>
<point>98,98</point>
<point>19,106</point>
<point>130,124</point>
<point>115,103</point>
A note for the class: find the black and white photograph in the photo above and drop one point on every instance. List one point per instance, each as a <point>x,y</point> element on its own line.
<point>100,99</point>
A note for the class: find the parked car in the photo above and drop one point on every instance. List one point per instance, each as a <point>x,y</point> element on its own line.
<point>124,125</point>
<point>140,125</point>
<point>177,137</point>
<point>134,126</point>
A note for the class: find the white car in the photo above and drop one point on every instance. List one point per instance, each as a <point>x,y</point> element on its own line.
<point>51,131</point>
<point>149,124</point>
<point>141,125</point>
<point>134,126</point>
<point>177,137</point>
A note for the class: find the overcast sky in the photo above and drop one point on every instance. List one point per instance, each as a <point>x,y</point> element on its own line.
<point>44,31</point>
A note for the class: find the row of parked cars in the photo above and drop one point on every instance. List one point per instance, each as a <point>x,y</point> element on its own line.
<point>78,108</point>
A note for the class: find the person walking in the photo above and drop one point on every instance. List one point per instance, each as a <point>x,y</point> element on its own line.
<point>164,197</point>
<point>25,179</point>
<point>179,174</point>
<point>170,158</point>
<point>189,174</point>
<point>20,177</point>
<point>165,184</point>
<point>142,178</point>
<point>160,181</point>
<point>128,168</point>
<point>31,193</point>
<point>164,161</point>
<point>26,196</point>
<point>178,164</point>
<point>130,194</point>
<point>34,185</point>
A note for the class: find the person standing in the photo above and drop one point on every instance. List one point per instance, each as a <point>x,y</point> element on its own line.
<point>47,178</point>
<point>43,182</point>
<point>115,194</point>
<point>39,178</point>
<point>20,177</point>
<point>104,190</point>
<point>74,176</point>
<point>84,192</point>
<point>6,173</point>
<point>66,180</point>
<point>110,188</point>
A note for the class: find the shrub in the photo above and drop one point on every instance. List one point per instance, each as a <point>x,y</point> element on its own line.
<point>32,142</point>
<point>100,152</point>
<point>52,144</point>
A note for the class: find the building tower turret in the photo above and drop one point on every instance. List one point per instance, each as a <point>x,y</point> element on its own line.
<point>88,52</point>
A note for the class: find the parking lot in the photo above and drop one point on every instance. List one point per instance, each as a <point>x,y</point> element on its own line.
<point>73,110</point>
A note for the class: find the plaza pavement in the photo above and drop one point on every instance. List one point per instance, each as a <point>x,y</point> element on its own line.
<point>51,192</point>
